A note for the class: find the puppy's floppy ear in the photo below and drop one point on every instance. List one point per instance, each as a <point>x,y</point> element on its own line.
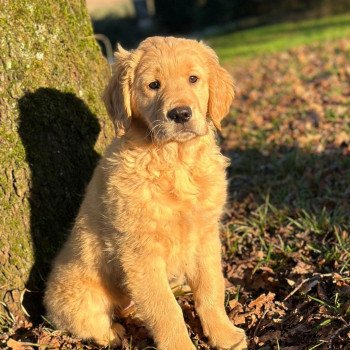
<point>221,89</point>
<point>117,93</point>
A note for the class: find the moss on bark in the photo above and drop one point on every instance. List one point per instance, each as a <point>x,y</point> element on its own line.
<point>52,128</point>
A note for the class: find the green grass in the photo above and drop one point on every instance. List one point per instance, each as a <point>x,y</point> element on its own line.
<point>279,37</point>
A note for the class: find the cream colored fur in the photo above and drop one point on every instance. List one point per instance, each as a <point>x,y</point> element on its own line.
<point>151,211</point>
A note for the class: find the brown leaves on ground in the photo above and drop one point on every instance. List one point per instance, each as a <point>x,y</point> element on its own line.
<point>286,246</point>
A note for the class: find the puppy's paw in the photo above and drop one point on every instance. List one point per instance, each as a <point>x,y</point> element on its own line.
<point>228,337</point>
<point>114,338</point>
<point>176,341</point>
<point>118,332</point>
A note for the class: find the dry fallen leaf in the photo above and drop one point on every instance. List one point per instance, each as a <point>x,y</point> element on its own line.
<point>17,345</point>
<point>302,268</point>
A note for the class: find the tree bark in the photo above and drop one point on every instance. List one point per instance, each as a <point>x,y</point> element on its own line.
<point>53,127</point>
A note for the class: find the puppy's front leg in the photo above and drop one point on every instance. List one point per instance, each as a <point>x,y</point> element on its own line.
<point>148,284</point>
<point>207,284</point>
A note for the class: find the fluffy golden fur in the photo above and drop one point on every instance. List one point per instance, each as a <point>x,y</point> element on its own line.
<point>151,211</point>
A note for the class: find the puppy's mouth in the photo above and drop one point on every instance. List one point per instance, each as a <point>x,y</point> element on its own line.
<point>184,129</point>
<point>168,131</point>
<point>185,134</point>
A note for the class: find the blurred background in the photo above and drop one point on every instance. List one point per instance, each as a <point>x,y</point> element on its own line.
<point>129,21</point>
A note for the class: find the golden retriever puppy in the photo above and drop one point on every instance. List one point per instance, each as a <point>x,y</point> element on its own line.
<point>151,212</point>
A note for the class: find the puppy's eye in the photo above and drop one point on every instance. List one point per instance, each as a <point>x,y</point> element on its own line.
<point>155,85</point>
<point>193,79</point>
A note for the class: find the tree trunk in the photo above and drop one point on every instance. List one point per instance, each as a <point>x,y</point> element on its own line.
<point>53,127</point>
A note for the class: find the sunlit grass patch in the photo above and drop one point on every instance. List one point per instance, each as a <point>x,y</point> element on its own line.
<point>279,37</point>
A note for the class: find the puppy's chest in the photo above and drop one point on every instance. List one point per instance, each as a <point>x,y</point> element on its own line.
<point>186,188</point>
<point>174,199</point>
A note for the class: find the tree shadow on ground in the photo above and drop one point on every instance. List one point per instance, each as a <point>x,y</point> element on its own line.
<point>58,132</point>
<point>293,178</point>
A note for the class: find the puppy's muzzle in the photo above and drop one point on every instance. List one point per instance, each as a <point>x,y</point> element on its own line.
<point>180,114</point>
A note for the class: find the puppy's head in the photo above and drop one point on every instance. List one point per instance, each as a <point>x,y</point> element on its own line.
<point>176,87</point>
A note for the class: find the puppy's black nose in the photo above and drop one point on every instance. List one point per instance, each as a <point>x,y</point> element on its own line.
<point>180,114</point>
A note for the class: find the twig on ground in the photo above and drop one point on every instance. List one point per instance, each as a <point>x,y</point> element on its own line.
<point>306,280</point>
<point>331,317</point>
<point>259,323</point>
